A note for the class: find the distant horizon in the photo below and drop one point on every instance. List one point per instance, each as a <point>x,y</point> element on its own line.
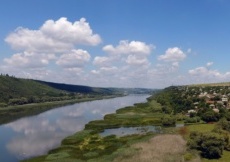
<point>148,44</point>
<point>76,84</point>
<point>210,83</point>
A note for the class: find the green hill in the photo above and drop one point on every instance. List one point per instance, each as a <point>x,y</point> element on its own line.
<point>96,90</point>
<point>78,88</point>
<point>25,97</point>
<point>15,88</point>
<point>17,91</point>
<point>211,84</point>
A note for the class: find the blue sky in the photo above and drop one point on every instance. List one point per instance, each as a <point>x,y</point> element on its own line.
<point>116,43</point>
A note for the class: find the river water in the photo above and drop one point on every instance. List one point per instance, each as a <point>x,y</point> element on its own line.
<point>35,135</point>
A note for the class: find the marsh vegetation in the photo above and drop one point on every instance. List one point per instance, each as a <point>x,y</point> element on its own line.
<point>88,145</point>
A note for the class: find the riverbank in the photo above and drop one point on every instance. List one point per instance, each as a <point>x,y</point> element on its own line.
<point>11,113</point>
<point>206,131</point>
<point>88,145</point>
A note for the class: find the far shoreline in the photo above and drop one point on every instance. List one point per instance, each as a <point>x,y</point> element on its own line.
<point>12,113</point>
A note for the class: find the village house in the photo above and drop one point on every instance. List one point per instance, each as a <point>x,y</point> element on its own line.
<point>212,106</point>
<point>216,110</point>
<point>224,99</point>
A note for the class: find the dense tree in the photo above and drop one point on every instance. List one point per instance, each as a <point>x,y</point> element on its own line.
<point>226,115</point>
<point>168,120</point>
<point>224,124</point>
<point>192,119</point>
<point>18,101</point>
<point>211,145</point>
<point>210,116</point>
<point>167,110</point>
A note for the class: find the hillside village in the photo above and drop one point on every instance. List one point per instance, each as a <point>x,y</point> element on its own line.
<point>215,97</point>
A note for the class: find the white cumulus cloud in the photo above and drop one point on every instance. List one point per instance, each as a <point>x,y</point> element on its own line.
<point>23,39</point>
<point>209,64</point>
<point>174,54</point>
<point>204,71</point>
<point>204,74</point>
<point>78,32</point>
<point>126,47</point>
<point>27,59</point>
<point>109,69</point>
<point>76,58</point>
<point>53,36</point>
<point>52,53</point>
<point>134,60</point>
<point>102,61</point>
<point>55,41</point>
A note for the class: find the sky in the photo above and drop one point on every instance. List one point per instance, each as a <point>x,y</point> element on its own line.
<point>116,43</point>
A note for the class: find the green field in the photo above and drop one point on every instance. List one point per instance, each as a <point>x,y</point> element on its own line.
<point>201,127</point>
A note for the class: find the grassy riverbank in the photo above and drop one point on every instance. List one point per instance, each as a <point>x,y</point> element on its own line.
<point>207,133</point>
<point>170,145</point>
<point>138,115</point>
<point>11,113</point>
<point>88,145</point>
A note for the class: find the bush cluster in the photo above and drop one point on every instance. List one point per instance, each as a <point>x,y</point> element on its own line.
<point>192,120</point>
<point>168,120</point>
<point>210,145</point>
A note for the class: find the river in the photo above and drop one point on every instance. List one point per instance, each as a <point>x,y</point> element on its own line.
<point>35,135</point>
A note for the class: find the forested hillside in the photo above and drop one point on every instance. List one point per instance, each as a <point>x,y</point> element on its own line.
<point>17,91</point>
<point>78,88</point>
<point>26,90</point>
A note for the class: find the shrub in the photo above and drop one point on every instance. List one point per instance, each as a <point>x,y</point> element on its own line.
<point>210,116</point>
<point>90,155</point>
<point>168,121</point>
<point>57,156</point>
<point>211,144</point>
<point>156,109</point>
<point>167,110</point>
<point>18,101</point>
<point>188,157</point>
<point>180,117</point>
<point>3,104</point>
<point>192,114</point>
<point>192,120</point>
<point>227,115</point>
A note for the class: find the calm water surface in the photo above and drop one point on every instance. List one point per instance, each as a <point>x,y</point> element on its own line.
<point>123,131</point>
<point>35,135</point>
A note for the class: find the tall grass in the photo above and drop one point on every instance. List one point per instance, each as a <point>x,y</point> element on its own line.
<point>158,149</point>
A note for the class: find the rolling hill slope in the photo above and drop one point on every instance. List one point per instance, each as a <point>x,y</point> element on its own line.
<point>11,87</point>
<point>14,91</point>
<point>77,88</point>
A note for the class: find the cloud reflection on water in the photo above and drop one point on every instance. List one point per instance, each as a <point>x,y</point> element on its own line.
<point>37,134</point>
